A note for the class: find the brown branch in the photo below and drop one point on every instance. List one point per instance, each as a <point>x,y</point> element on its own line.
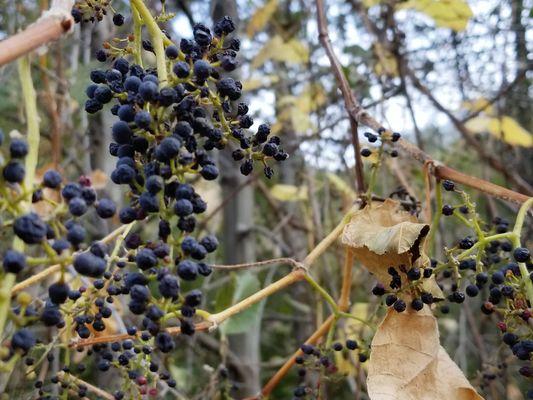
<point>469,137</point>
<point>363,117</point>
<point>47,29</point>
<point>349,99</point>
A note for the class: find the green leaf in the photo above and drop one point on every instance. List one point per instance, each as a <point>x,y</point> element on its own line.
<point>247,284</point>
<point>224,296</point>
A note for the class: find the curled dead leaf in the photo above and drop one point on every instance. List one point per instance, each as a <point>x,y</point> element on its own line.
<point>384,236</point>
<point>407,361</point>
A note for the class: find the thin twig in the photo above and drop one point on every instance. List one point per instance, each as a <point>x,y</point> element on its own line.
<point>213,320</point>
<point>283,260</point>
<point>55,268</point>
<point>67,378</point>
<point>349,98</point>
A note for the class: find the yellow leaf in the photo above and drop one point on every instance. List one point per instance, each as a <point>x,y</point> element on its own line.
<point>284,192</point>
<point>453,14</point>
<point>260,18</point>
<point>341,185</point>
<point>480,104</point>
<point>504,128</point>
<point>407,361</point>
<point>277,49</point>
<point>296,110</point>
<point>383,236</point>
<point>257,83</point>
<point>385,63</point>
<point>371,3</point>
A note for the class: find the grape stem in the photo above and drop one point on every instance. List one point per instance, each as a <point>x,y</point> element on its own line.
<point>32,138</point>
<point>158,40</point>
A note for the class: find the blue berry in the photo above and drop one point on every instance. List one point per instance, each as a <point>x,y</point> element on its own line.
<point>88,264</point>
<point>14,172</point>
<point>127,215</point>
<point>135,278</point>
<point>126,113</point>
<point>23,339</point>
<point>132,83</point>
<point>148,90</point>
<point>103,94</point>
<point>154,184</point>
<point>148,202</point>
<point>51,315</point>
<point>30,228</point>
<point>187,270</point>
<point>145,259</point>
<point>52,179</point>
<point>169,286</point>
<point>172,52</point>
<point>193,298</point>
<point>139,293</point>
<point>121,132</point>
<point>113,75</point>
<point>70,191</point>
<point>143,119</point>
<point>76,234</point>
<point>164,342</point>
<point>183,207</point>
<point>58,292</point>
<point>167,149</point>
<point>209,172</point>
<point>14,261</point>
<point>106,208</point>
<point>18,148</point>
<point>77,206</point>
<point>201,70</point>
<point>521,254</point>
<point>498,277</point>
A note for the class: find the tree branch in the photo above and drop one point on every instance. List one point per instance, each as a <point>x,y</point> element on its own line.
<point>349,99</point>
<point>49,27</point>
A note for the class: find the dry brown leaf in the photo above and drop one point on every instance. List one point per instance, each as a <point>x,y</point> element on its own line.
<point>384,236</point>
<point>407,361</point>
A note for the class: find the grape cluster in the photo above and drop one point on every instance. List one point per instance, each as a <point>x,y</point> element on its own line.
<point>166,131</point>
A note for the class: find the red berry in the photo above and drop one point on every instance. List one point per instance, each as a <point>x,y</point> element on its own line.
<point>141,380</point>
<point>502,326</point>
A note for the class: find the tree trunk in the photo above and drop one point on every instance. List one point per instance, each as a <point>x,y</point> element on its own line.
<point>238,242</point>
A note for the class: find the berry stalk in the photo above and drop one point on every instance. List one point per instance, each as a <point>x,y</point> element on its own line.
<point>32,119</point>
<point>157,40</point>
